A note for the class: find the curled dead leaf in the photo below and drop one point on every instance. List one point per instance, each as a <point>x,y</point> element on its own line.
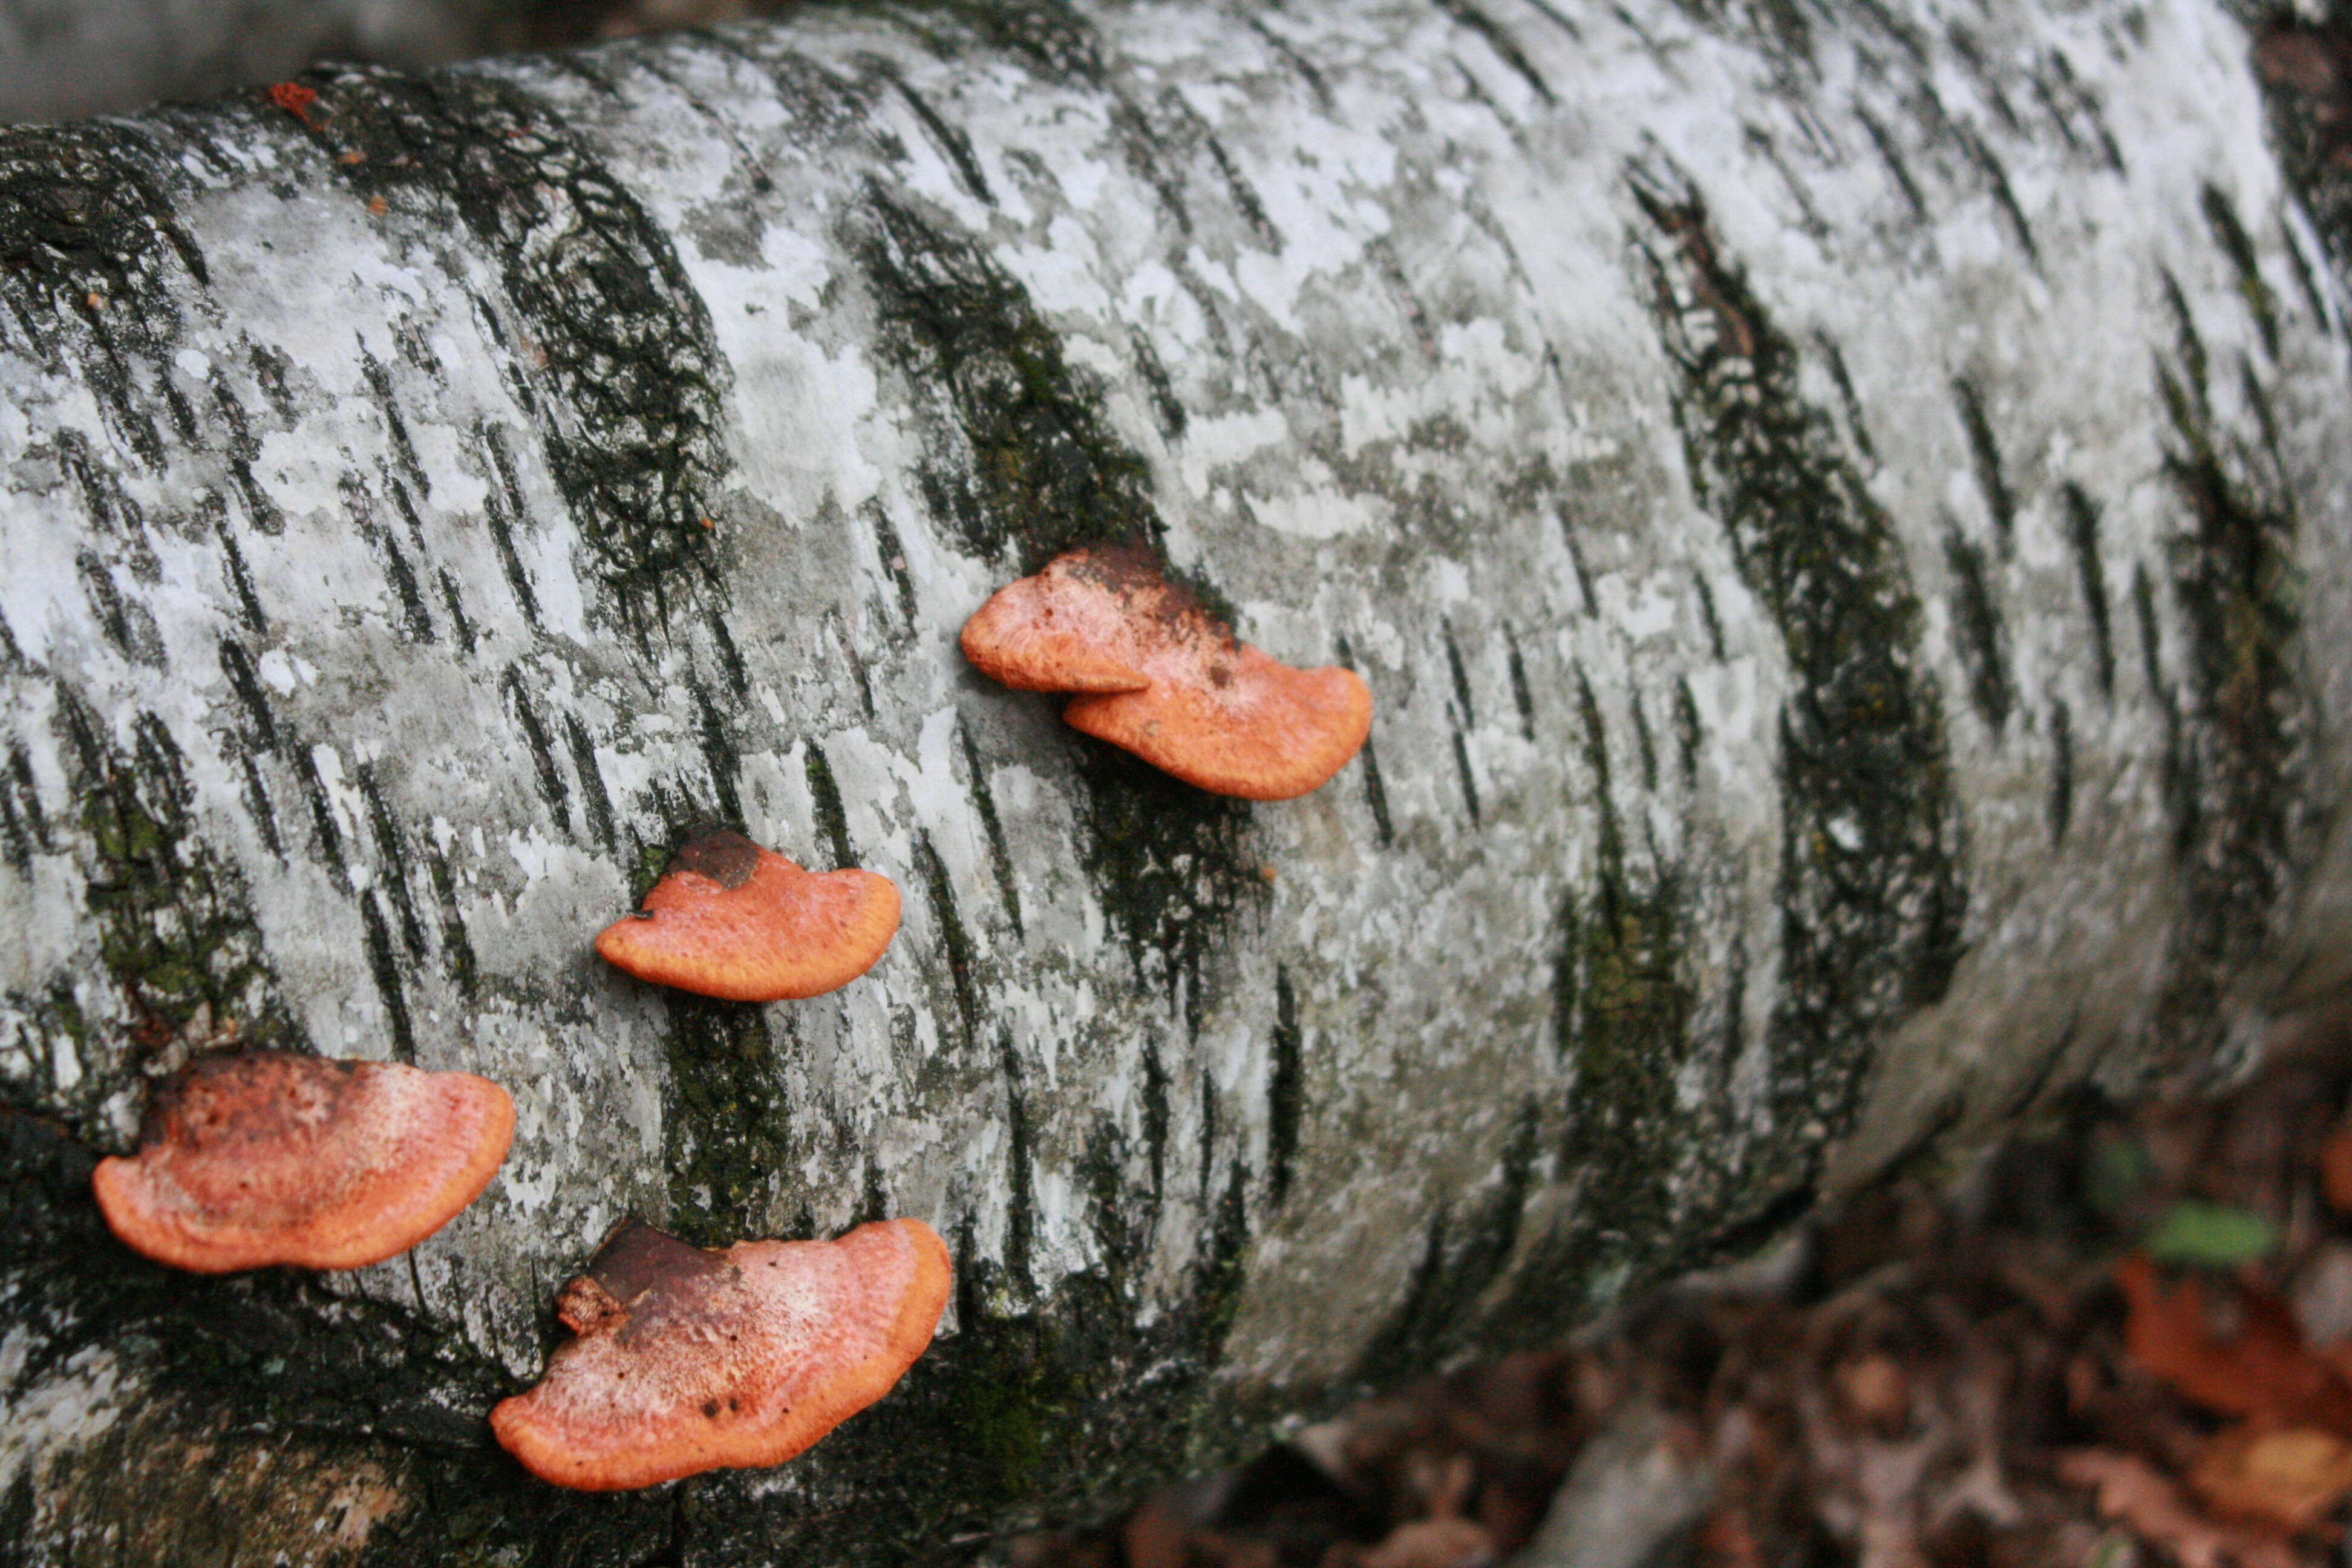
<point>2138,1496</point>
<point>2290,1477</point>
<point>2263,1370</point>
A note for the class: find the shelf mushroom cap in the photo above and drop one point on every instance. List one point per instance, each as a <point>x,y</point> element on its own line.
<point>689,1360</point>
<point>732,920</point>
<point>265,1157</point>
<point>1155,673</point>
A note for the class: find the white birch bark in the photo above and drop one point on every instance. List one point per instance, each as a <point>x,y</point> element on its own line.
<point>1844,519</point>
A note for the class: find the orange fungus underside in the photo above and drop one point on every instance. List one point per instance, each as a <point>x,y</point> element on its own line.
<point>265,1157</point>
<point>1155,673</point>
<point>687,1361</point>
<point>729,918</point>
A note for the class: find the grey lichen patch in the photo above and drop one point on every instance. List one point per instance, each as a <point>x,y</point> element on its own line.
<point>1464,1251</point>
<point>1871,896</point>
<point>615,338</point>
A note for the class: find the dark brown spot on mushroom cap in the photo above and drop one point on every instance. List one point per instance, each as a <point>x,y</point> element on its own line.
<point>635,1259</point>
<point>1154,672</point>
<point>776,931</point>
<point>791,1337</point>
<point>718,852</point>
<point>265,1157</point>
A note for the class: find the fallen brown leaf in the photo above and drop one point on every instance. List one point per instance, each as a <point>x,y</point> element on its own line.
<point>2336,1169</point>
<point>2290,1477</point>
<point>2133,1493</point>
<point>1154,1538</point>
<point>2264,1369</point>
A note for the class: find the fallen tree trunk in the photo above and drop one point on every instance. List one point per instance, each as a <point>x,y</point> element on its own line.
<point>1844,521</point>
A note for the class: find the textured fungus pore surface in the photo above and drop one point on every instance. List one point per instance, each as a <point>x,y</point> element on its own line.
<point>269,1158</point>
<point>689,1361</point>
<point>1157,674</point>
<point>729,918</point>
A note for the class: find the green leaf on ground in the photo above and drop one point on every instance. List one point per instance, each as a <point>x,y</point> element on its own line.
<point>2214,1235</point>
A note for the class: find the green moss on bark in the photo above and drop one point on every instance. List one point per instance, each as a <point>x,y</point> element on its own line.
<point>1871,894</point>
<point>176,937</point>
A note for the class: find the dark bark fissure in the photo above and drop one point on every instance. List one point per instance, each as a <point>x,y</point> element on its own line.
<point>1173,865</point>
<point>622,345</point>
<point>2244,729</point>
<point>1465,1249</point>
<point>1977,629</point>
<point>1871,896</point>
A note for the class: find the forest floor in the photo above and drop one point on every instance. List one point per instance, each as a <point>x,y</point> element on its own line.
<point>2124,1338</point>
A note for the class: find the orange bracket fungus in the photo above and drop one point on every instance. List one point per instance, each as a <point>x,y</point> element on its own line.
<point>729,918</point>
<point>267,1157</point>
<point>1154,672</point>
<point>687,1360</point>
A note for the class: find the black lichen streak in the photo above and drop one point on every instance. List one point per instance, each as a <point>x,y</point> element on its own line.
<point>1984,455</point>
<point>1506,48</point>
<point>94,266</point>
<point>1872,894</point>
<point>2246,723</point>
<point>1463,1253</point>
<point>1024,467</point>
<point>1000,853</point>
<point>615,341</point>
<point>1978,630</point>
<point>825,805</point>
<point>2082,523</point>
<point>2238,246</point>
<point>1286,1091</point>
<point>1376,794</point>
<point>962,979</point>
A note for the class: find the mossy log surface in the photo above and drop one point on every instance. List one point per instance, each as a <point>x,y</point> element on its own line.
<point>1843,511</point>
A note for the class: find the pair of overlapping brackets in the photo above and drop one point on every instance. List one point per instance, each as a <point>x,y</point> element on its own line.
<point>746,1356</point>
